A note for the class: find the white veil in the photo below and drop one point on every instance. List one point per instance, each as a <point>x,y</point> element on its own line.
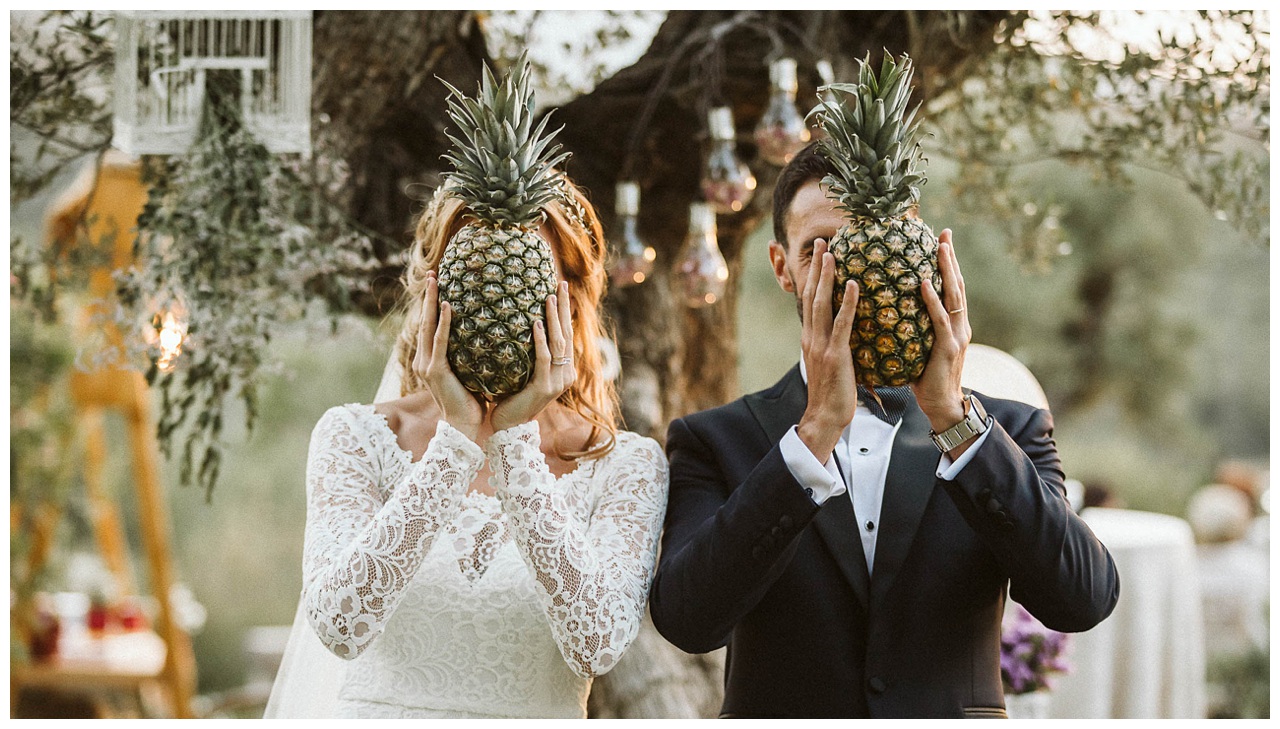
<point>307,683</point>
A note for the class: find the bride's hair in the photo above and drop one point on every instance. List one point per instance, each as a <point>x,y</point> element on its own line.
<point>578,242</point>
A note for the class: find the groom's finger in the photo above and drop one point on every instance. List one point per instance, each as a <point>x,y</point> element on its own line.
<point>842,330</point>
<point>811,282</point>
<point>822,295</point>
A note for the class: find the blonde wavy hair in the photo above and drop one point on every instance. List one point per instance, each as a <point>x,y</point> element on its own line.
<point>580,250</point>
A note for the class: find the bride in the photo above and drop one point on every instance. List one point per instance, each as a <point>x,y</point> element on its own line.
<point>473,560</point>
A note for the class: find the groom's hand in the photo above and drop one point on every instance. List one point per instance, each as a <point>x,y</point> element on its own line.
<point>938,390</point>
<point>828,361</point>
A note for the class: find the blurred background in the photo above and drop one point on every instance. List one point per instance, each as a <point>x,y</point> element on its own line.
<point>1139,302</point>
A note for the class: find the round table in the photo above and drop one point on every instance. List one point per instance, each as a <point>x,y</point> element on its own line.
<point>1147,659</point>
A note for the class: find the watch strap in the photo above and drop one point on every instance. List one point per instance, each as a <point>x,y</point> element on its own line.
<point>973,423</point>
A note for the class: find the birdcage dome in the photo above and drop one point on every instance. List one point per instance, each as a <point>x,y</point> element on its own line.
<point>164,59</point>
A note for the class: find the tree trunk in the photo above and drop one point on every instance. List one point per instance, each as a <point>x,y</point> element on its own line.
<point>380,110</point>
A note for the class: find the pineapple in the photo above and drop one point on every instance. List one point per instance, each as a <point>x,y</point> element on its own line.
<point>497,271</point>
<point>869,141</point>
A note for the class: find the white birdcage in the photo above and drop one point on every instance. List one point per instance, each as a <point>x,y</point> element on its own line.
<point>163,58</point>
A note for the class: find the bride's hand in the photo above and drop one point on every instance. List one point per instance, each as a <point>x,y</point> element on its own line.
<point>554,371</point>
<point>458,406</point>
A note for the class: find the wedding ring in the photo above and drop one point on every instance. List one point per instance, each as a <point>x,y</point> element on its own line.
<point>561,360</point>
<point>955,311</point>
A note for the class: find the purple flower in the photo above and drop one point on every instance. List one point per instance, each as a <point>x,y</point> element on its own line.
<point>1029,652</point>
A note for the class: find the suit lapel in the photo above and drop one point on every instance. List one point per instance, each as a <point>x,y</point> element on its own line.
<point>838,526</point>
<point>907,490</point>
<point>778,409</point>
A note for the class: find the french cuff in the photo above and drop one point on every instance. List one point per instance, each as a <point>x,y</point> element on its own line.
<point>461,451</point>
<point>947,470</point>
<point>820,480</point>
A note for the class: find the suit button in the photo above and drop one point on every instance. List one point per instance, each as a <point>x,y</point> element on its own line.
<point>775,530</point>
<point>1006,523</point>
<point>785,521</point>
<point>877,685</point>
<point>993,507</point>
<point>757,551</point>
<point>984,494</point>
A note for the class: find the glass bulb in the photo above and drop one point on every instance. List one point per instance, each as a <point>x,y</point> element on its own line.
<point>781,131</point>
<point>727,182</point>
<point>635,262</point>
<point>701,271</point>
<point>826,76</point>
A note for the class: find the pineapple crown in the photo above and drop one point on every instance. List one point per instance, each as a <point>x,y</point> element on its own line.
<point>503,169</point>
<point>870,141</point>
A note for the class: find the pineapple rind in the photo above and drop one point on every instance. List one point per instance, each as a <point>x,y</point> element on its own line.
<point>892,332</point>
<point>498,282</point>
<point>877,168</point>
<point>497,271</point>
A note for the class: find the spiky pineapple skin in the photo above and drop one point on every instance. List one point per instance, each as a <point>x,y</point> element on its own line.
<point>892,332</point>
<point>497,280</point>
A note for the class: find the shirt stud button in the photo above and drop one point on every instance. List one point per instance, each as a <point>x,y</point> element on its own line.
<point>871,525</point>
<point>864,450</point>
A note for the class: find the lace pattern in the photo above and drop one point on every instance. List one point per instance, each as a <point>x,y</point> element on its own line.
<point>459,603</point>
<point>361,550</point>
<point>594,565</point>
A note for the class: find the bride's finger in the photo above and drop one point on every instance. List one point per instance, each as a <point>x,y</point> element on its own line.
<point>440,342</point>
<point>555,336</point>
<point>541,353</point>
<point>427,330</point>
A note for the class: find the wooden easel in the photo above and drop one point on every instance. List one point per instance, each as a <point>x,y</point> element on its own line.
<point>105,202</point>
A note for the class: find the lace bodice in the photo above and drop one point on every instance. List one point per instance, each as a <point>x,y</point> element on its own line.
<point>453,601</point>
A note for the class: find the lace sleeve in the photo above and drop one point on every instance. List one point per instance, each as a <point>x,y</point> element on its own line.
<point>594,576</point>
<point>360,553</point>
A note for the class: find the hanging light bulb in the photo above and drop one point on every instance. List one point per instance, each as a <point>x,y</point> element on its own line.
<point>635,263</point>
<point>727,182</point>
<point>781,131</point>
<point>701,271</point>
<point>826,77</point>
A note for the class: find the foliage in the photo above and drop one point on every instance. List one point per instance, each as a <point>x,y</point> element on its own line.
<point>41,435</point>
<point>618,38</point>
<point>1191,102</point>
<point>1058,86</point>
<point>235,243</point>
<point>1241,685</point>
<point>1029,652</point>
<point>59,70</point>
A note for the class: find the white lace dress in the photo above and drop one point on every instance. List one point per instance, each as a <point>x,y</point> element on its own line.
<point>455,603</point>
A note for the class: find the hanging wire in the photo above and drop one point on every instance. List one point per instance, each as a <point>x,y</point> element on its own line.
<point>707,66</point>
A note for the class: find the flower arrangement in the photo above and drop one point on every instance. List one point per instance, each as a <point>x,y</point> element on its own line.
<point>1029,652</point>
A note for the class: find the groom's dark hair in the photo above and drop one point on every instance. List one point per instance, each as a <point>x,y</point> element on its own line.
<point>808,164</point>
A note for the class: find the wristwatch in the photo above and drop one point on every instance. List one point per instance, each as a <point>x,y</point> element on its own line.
<point>974,423</point>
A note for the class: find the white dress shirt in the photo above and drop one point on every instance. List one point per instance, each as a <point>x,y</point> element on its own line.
<point>862,456</point>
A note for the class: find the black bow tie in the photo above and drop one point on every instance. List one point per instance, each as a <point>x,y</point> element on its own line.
<point>893,402</point>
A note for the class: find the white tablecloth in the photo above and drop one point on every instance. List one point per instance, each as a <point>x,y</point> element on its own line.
<point>1145,661</point>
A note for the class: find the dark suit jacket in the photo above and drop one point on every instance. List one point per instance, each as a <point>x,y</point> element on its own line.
<point>749,560</point>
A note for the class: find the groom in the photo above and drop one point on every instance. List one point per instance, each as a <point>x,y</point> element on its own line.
<point>854,565</point>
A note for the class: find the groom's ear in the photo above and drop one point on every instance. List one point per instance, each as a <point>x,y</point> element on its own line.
<point>778,258</point>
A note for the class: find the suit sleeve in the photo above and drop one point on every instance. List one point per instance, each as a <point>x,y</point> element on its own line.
<point>1012,494</point>
<point>723,544</point>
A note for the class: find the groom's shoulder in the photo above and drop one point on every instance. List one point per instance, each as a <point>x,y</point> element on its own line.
<point>735,414</point>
